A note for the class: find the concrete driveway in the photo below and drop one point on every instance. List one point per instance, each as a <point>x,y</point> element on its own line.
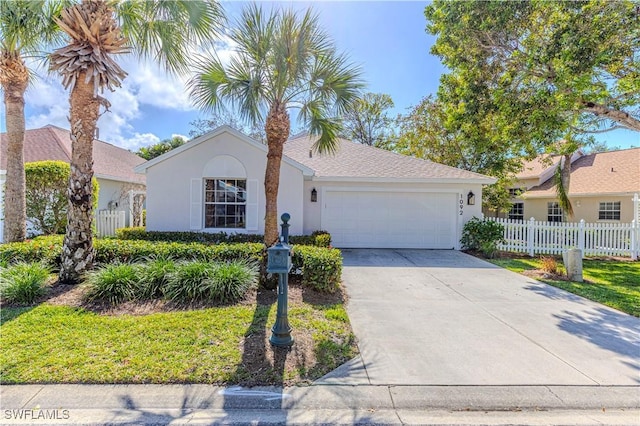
<point>435,317</point>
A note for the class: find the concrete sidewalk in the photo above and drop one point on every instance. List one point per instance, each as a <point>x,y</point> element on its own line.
<point>319,404</point>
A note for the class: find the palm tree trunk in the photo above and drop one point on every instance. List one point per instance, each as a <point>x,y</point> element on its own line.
<point>15,214</point>
<point>277,128</point>
<point>77,251</point>
<point>563,180</point>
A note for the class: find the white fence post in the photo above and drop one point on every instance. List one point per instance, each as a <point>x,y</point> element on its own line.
<point>581,236</point>
<point>635,236</point>
<point>530,236</point>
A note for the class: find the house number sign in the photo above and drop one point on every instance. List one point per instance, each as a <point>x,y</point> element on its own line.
<point>461,204</point>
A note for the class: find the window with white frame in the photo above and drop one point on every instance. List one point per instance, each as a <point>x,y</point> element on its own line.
<point>515,192</point>
<point>554,212</point>
<point>225,203</point>
<point>609,211</point>
<point>517,211</point>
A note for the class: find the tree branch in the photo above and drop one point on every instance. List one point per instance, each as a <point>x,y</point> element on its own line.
<point>623,118</point>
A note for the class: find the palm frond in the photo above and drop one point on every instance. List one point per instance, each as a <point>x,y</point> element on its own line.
<point>166,30</point>
<point>284,58</point>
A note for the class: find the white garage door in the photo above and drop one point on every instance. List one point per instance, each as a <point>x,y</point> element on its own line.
<point>390,219</point>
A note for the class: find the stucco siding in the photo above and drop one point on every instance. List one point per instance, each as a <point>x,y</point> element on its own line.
<point>584,208</point>
<point>172,191</point>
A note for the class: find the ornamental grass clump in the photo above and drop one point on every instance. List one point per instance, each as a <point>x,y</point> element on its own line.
<point>115,283</point>
<point>211,282</point>
<point>190,281</point>
<point>549,265</point>
<point>23,283</point>
<point>153,277</point>
<point>231,281</point>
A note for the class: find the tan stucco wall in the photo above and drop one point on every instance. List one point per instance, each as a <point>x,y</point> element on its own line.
<point>583,207</point>
<point>169,185</point>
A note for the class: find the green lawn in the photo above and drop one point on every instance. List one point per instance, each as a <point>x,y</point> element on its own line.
<point>612,283</point>
<point>221,345</point>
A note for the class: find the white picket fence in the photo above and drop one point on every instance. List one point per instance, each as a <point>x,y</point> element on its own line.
<point>594,239</point>
<point>108,221</point>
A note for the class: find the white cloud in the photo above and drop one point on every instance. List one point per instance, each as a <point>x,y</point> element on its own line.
<point>145,85</point>
<point>136,141</point>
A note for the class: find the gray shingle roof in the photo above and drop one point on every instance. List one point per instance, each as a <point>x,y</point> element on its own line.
<point>54,143</point>
<point>354,160</point>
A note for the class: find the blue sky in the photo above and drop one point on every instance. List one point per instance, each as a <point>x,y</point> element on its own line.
<point>387,38</point>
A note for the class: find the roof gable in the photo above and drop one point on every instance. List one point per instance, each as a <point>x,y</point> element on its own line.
<point>609,172</point>
<point>54,143</point>
<point>212,135</point>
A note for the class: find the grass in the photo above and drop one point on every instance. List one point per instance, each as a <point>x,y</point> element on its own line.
<point>62,344</point>
<point>612,283</point>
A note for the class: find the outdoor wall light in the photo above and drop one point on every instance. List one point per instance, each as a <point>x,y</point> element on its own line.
<point>314,195</point>
<point>471,198</point>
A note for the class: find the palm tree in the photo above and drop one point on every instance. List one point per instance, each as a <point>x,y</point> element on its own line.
<point>26,27</point>
<point>282,61</point>
<point>99,30</point>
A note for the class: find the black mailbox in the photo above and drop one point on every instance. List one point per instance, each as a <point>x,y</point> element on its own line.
<point>279,259</point>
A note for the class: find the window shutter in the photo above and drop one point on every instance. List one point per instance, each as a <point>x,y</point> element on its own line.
<point>196,204</point>
<point>252,205</point>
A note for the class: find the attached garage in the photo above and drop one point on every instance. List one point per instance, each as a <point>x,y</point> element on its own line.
<point>364,196</point>
<point>390,219</point>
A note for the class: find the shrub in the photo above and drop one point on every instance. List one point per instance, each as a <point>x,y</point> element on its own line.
<point>46,195</point>
<point>549,265</point>
<point>45,250</point>
<point>483,235</point>
<point>23,283</point>
<point>113,283</point>
<point>321,267</point>
<point>110,250</point>
<point>317,238</point>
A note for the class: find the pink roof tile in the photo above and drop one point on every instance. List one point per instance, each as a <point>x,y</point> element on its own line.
<point>534,168</point>
<point>600,173</point>
<point>54,143</point>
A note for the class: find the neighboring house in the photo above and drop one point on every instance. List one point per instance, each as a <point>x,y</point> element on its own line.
<point>364,196</point>
<point>113,166</point>
<point>602,188</point>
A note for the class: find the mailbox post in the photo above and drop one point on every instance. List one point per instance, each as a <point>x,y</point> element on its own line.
<point>279,262</point>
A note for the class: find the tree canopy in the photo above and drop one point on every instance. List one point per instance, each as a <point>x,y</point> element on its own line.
<point>157,149</point>
<point>539,69</point>
<point>368,120</point>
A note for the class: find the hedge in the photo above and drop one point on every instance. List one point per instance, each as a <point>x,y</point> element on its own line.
<point>320,267</point>
<point>317,238</point>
